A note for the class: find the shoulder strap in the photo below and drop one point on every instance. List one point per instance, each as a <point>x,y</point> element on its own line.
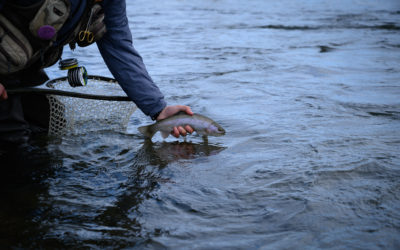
<point>71,28</point>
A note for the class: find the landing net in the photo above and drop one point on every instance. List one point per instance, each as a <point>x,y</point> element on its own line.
<point>72,115</point>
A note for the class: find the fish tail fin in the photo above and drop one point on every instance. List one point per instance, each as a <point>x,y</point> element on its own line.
<point>147,131</point>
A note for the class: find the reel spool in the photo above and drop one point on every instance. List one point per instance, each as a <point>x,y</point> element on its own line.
<point>77,76</point>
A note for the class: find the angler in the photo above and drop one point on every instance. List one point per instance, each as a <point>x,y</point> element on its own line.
<point>33,34</point>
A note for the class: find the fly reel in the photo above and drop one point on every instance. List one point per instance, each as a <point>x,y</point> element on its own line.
<point>77,75</point>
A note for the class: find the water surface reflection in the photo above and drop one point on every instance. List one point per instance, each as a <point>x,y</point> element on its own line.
<point>89,206</point>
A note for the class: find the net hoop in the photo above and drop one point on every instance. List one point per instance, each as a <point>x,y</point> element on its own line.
<point>88,112</point>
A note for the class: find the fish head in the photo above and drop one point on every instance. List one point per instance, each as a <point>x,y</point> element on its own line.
<point>215,130</point>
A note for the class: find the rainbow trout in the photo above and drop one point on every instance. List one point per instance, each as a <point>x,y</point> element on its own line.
<point>201,124</point>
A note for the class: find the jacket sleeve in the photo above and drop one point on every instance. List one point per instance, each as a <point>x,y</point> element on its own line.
<point>125,63</point>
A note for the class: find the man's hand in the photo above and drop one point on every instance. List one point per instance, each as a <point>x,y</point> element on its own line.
<point>3,92</point>
<point>172,110</point>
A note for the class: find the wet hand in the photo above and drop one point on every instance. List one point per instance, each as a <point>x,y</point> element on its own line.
<point>172,110</point>
<point>3,92</point>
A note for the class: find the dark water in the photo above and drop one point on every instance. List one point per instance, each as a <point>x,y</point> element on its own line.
<point>309,93</point>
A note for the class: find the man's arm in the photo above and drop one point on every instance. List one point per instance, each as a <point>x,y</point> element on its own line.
<point>124,61</point>
<point>128,68</point>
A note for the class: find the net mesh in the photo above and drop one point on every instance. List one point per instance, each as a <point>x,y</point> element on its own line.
<point>71,115</point>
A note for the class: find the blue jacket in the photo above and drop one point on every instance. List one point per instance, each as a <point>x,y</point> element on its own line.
<point>125,63</point>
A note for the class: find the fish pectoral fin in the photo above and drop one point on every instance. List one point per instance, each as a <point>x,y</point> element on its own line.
<point>164,134</point>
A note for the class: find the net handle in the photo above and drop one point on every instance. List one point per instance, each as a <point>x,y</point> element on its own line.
<point>48,89</point>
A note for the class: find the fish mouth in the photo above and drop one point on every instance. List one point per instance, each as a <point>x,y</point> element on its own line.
<point>215,132</point>
<point>221,131</point>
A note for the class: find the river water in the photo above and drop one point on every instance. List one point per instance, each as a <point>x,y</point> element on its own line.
<point>309,94</point>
